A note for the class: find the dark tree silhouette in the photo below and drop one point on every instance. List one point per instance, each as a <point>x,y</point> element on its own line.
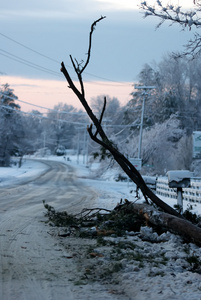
<point>98,135</point>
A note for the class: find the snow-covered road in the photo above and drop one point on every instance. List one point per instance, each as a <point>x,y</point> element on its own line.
<point>33,266</point>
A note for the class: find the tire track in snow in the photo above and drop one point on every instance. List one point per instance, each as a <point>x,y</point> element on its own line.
<point>33,265</point>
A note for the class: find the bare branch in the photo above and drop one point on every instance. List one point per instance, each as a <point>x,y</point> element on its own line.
<point>101,116</point>
<point>174,14</point>
<point>90,42</point>
<point>70,82</point>
<point>91,212</point>
<point>171,13</point>
<point>77,68</point>
<point>78,75</point>
<point>193,48</point>
<point>123,162</point>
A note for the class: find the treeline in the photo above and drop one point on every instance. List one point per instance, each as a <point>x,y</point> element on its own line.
<point>172,113</point>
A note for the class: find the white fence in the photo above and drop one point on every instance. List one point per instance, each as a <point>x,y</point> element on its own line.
<point>192,194</point>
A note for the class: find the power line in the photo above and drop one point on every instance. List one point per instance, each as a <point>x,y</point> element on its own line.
<point>28,63</point>
<point>52,59</point>
<point>43,69</point>
<point>24,63</point>
<point>59,120</point>
<point>50,109</point>
<point>41,116</point>
<point>28,48</point>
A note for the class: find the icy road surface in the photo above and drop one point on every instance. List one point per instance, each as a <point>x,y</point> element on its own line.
<point>33,266</point>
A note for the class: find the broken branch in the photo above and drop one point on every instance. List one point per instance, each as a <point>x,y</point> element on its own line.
<point>101,116</point>
<point>90,42</point>
<point>124,163</point>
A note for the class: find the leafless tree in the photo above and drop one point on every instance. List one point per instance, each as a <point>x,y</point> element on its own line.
<point>98,135</point>
<point>175,14</point>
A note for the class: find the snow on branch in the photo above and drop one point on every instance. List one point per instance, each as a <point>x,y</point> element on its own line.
<point>173,13</point>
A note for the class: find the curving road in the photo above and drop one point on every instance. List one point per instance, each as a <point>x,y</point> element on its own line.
<point>57,185</point>
<point>33,266</point>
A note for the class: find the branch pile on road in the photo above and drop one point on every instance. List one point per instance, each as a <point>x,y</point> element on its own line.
<point>97,221</point>
<point>126,245</point>
<point>126,217</point>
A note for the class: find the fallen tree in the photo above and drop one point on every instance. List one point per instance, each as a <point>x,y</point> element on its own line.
<point>153,217</point>
<point>129,216</point>
<point>98,135</point>
<point>101,138</point>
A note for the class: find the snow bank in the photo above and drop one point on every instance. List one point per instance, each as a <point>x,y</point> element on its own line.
<point>14,174</point>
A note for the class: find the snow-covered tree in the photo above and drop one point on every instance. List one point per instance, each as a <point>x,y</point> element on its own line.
<point>174,13</point>
<point>10,125</point>
<point>178,90</point>
<point>111,115</point>
<point>7,98</point>
<point>112,121</point>
<point>177,97</point>
<point>63,126</point>
<point>166,147</point>
<point>33,125</point>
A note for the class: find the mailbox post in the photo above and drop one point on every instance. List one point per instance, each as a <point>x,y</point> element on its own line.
<point>179,180</point>
<point>180,198</point>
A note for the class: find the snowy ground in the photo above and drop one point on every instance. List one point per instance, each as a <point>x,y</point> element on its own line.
<point>152,266</point>
<point>14,174</point>
<point>105,185</point>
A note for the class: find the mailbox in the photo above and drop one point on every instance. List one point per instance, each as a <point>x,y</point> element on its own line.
<point>179,179</point>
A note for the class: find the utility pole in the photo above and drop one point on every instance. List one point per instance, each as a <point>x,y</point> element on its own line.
<point>87,150</point>
<point>145,94</point>
<point>44,139</point>
<point>84,145</point>
<point>78,146</point>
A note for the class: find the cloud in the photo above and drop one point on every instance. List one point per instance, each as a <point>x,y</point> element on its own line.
<point>76,9</point>
<point>122,43</point>
<point>24,85</point>
<point>119,4</point>
<point>48,93</point>
<point>47,9</point>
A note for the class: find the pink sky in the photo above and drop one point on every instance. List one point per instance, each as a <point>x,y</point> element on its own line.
<point>48,93</point>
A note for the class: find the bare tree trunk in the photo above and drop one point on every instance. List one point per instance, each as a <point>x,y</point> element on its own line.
<point>190,232</point>
<point>100,137</point>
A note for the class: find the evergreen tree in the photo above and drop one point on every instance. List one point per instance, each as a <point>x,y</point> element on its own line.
<point>10,128</point>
